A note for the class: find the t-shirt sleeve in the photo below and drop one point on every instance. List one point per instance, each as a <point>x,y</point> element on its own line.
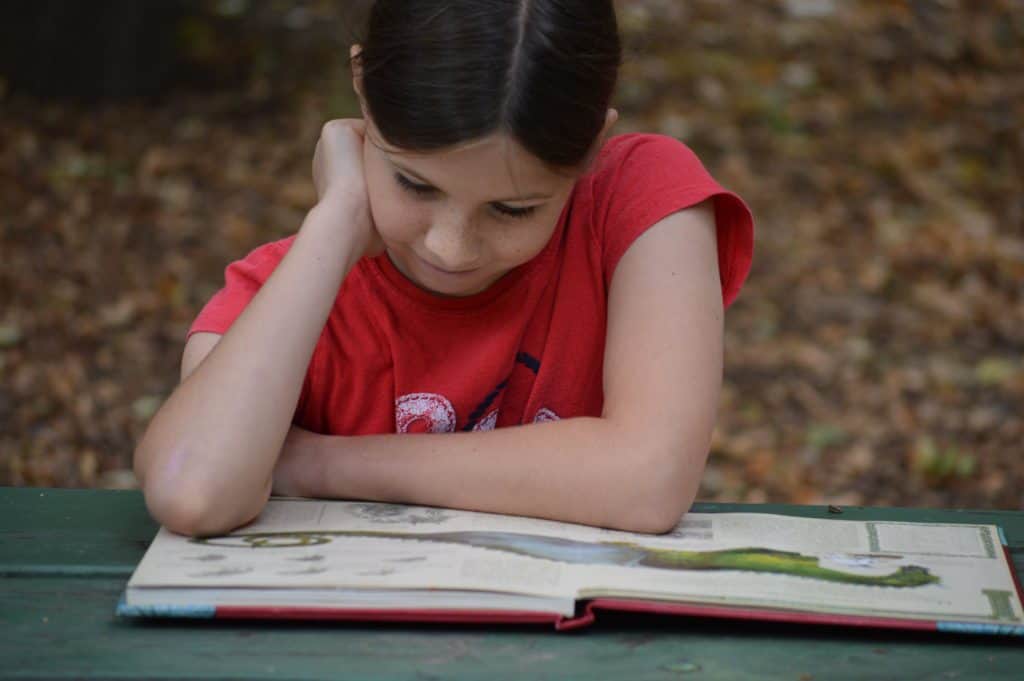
<point>642,178</point>
<point>242,280</point>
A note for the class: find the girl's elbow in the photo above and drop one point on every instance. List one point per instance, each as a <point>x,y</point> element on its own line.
<point>190,507</point>
<point>176,515</point>
<point>662,494</point>
<point>657,516</point>
<point>183,509</point>
<point>649,508</point>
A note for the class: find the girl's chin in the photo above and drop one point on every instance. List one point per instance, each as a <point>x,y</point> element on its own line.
<point>440,282</point>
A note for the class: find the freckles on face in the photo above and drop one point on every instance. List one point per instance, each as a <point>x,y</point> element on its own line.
<point>455,221</point>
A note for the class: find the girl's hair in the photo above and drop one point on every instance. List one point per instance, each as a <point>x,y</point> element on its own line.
<point>440,72</point>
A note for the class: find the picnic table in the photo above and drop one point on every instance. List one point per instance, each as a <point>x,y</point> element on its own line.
<point>65,556</point>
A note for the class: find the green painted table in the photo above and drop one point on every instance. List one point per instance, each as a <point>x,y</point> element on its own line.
<point>65,556</point>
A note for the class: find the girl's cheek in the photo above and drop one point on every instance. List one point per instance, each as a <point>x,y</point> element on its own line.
<point>520,247</point>
<point>394,218</point>
<point>391,210</point>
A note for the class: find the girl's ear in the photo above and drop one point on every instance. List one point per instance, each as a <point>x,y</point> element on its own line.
<point>610,118</point>
<point>354,54</point>
<point>355,59</point>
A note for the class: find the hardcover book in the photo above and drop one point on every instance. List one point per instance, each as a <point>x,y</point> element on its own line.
<point>315,559</point>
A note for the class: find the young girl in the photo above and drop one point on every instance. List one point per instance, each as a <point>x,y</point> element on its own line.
<point>494,305</point>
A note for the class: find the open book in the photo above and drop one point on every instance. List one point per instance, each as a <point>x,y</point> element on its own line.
<point>312,559</point>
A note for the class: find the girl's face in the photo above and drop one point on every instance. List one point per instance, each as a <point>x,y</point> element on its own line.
<point>455,221</point>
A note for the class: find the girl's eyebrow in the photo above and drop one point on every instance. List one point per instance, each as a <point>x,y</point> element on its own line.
<point>416,176</point>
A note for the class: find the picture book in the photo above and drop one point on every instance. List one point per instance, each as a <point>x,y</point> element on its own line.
<point>315,559</point>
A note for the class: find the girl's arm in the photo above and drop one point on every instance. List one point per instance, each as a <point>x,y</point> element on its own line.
<point>206,460</point>
<point>636,467</point>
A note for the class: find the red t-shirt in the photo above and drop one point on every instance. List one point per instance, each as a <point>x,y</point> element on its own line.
<point>395,358</point>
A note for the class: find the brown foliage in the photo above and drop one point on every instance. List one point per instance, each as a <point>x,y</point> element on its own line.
<point>874,357</point>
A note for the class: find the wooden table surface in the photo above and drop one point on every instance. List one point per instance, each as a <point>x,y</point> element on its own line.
<point>65,556</point>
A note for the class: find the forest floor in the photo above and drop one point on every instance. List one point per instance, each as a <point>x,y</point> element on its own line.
<point>875,355</point>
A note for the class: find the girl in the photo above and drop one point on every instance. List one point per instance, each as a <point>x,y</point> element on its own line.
<point>494,305</point>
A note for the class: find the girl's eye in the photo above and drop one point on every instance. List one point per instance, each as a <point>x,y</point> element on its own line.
<point>425,190</point>
<point>421,189</point>
<point>511,212</point>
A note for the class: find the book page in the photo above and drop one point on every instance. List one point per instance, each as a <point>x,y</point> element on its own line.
<point>873,568</point>
<point>928,571</point>
<point>316,544</point>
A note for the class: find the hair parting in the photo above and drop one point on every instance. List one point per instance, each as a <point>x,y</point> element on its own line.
<point>438,73</point>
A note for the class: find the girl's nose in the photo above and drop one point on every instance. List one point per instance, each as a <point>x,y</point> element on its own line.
<point>453,243</point>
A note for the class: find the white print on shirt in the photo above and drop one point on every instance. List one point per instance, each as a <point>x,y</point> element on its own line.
<point>488,422</point>
<point>434,409</point>
<point>438,415</point>
<point>545,414</point>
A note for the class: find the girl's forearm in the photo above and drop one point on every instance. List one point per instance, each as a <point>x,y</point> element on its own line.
<point>585,470</point>
<point>207,457</point>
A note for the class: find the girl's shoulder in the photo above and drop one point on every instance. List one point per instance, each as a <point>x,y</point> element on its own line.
<point>638,179</point>
<point>646,145</point>
<point>639,157</point>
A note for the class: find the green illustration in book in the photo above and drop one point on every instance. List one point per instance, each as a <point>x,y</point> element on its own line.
<point>626,554</point>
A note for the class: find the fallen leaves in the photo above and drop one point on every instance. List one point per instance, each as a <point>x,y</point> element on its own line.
<point>875,356</point>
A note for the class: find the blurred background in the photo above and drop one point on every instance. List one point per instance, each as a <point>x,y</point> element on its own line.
<point>875,356</point>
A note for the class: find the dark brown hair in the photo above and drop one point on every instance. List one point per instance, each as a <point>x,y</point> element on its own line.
<point>440,72</point>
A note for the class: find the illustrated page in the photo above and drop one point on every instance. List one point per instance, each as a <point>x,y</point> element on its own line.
<point>878,568</point>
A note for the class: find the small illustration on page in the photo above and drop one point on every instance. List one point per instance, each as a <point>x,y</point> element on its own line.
<point>397,513</point>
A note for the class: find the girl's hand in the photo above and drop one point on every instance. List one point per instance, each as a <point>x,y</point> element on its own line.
<point>339,178</point>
